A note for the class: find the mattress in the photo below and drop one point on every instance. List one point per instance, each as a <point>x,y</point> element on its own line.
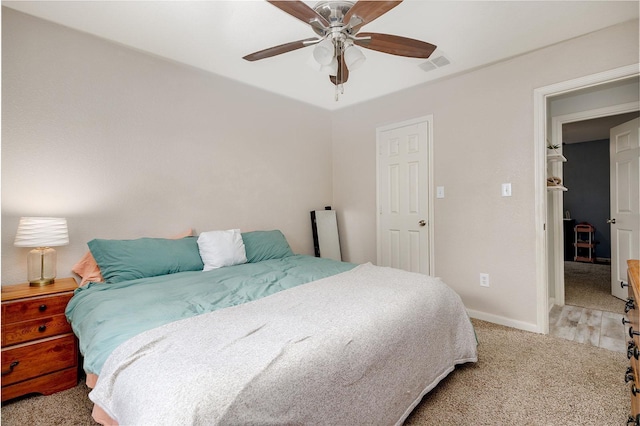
<point>359,347</point>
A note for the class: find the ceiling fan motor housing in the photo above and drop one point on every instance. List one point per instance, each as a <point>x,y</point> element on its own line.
<point>333,12</point>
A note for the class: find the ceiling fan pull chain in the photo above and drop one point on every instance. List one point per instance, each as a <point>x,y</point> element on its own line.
<point>339,91</point>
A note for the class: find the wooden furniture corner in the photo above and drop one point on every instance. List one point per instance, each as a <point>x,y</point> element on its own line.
<point>39,349</point>
<point>632,309</point>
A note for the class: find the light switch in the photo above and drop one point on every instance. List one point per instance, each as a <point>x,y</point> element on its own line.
<point>506,190</point>
<point>440,192</point>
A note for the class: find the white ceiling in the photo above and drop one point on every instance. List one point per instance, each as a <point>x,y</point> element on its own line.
<point>215,35</point>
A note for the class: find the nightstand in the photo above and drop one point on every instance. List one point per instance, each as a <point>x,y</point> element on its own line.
<point>39,349</point>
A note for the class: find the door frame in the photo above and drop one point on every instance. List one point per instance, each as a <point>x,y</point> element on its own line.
<point>540,97</point>
<point>556,239</point>
<point>428,119</point>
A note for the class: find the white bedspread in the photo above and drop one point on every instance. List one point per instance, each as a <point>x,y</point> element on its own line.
<point>361,347</point>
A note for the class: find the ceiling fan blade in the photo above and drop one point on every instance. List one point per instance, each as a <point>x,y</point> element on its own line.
<point>343,73</point>
<point>367,11</point>
<point>277,50</point>
<point>396,45</point>
<point>300,10</point>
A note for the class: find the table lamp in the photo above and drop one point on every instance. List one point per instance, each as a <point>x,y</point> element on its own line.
<point>41,233</point>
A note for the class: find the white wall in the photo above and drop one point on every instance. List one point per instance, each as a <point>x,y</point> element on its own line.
<point>483,136</point>
<point>126,145</point>
<point>606,95</point>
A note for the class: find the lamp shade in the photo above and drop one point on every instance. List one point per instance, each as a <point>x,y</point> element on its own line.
<point>353,57</point>
<point>42,232</point>
<point>332,68</point>
<point>324,52</point>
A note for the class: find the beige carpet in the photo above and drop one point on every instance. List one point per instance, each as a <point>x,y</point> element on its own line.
<point>588,285</point>
<point>525,378</point>
<point>521,379</point>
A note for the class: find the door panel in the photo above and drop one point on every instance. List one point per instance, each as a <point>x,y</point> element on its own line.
<point>625,201</point>
<point>403,191</point>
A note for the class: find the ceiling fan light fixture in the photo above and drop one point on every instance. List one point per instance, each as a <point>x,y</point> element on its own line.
<point>332,68</point>
<point>337,24</point>
<point>324,52</point>
<point>353,57</point>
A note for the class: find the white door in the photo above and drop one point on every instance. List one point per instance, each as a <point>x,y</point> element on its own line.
<point>625,202</point>
<point>403,196</point>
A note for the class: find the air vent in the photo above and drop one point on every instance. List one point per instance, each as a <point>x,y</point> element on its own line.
<point>435,62</point>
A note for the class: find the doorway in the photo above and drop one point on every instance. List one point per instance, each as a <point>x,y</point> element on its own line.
<point>548,213</point>
<point>585,145</point>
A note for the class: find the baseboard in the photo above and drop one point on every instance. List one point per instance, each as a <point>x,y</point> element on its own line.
<point>508,322</point>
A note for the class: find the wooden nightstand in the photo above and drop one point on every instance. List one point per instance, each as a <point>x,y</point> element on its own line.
<point>39,350</point>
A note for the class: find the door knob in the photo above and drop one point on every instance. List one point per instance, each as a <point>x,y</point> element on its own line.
<point>422,223</point>
<point>611,220</point>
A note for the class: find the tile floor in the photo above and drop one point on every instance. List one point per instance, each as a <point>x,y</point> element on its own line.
<point>589,326</point>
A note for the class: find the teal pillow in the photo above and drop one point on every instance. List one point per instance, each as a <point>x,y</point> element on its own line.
<point>265,245</point>
<point>124,260</point>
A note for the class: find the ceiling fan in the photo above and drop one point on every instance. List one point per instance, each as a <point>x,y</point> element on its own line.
<point>337,24</point>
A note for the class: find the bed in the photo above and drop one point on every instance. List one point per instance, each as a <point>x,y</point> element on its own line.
<point>269,337</point>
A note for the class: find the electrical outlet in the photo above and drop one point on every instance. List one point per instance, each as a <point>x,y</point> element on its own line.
<point>484,280</point>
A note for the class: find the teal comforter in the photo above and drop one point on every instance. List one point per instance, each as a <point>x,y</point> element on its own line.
<point>105,315</point>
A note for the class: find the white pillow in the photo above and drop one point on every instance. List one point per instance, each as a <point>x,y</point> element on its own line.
<point>221,248</point>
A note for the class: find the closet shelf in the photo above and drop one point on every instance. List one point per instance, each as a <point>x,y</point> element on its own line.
<point>556,188</point>
<point>556,157</point>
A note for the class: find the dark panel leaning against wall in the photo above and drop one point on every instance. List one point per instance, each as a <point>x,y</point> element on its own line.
<point>586,174</point>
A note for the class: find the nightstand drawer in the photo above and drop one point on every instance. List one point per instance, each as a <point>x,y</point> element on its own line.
<point>40,307</point>
<point>30,360</point>
<point>25,331</point>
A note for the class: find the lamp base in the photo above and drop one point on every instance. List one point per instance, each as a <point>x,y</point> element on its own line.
<point>41,266</point>
<point>42,282</point>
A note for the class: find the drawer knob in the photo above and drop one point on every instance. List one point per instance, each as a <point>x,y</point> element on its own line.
<point>634,420</point>
<point>633,333</point>
<point>42,328</point>
<point>634,390</point>
<point>628,375</point>
<point>629,305</point>
<point>632,350</point>
<point>625,321</point>
<point>623,284</point>
<point>42,308</point>
<point>13,365</point>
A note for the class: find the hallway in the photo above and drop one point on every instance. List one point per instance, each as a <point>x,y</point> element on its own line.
<point>590,326</point>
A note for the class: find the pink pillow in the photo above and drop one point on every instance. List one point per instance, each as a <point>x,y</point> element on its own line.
<point>88,269</point>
